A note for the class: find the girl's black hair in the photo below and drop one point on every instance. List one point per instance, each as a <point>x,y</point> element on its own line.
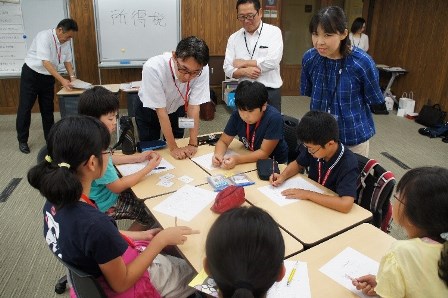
<point>245,252</point>
<point>332,19</point>
<point>357,25</point>
<point>424,192</point>
<point>72,140</point>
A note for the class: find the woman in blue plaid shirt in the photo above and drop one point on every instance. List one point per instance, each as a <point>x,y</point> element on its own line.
<point>339,80</point>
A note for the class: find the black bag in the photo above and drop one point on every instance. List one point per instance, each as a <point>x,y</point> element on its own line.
<point>379,109</point>
<point>431,115</point>
<point>265,168</point>
<point>127,138</point>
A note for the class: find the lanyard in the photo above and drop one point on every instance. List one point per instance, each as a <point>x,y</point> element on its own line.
<point>329,169</point>
<point>245,40</point>
<point>325,82</point>
<point>58,51</point>
<point>251,143</point>
<point>89,202</point>
<point>185,98</point>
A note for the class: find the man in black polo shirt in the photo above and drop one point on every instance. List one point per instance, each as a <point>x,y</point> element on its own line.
<point>329,163</point>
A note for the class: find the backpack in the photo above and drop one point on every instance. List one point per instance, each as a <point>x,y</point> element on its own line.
<point>127,138</point>
<point>374,189</point>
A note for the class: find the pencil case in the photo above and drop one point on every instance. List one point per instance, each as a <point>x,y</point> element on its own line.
<point>265,168</point>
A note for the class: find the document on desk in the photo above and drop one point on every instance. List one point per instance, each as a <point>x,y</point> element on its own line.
<point>347,265</point>
<point>275,193</point>
<point>205,161</point>
<point>79,84</point>
<point>187,202</point>
<point>131,168</point>
<point>298,287</point>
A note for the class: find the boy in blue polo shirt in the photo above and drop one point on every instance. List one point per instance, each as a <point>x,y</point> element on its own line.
<point>110,192</point>
<point>258,125</point>
<point>329,163</point>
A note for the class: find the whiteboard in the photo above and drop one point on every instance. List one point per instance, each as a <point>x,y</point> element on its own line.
<point>129,32</point>
<point>19,24</point>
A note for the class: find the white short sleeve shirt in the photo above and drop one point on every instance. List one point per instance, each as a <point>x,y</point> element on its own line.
<point>161,88</point>
<point>46,46</point>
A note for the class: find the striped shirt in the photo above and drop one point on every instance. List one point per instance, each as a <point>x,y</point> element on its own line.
<point>345,88</point>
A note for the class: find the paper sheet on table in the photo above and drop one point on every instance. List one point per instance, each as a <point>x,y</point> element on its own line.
<point>348,264</point>
<point>79,84</point>
<point>205,161</point>
<point>131,168</point>
<point>275,193</point>
<point>187,202</point>
<point>299,286</point>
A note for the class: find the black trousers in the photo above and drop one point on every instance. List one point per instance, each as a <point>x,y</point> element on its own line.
<point>148,124</point>
<point>34,85</point>
<point>275,98</point>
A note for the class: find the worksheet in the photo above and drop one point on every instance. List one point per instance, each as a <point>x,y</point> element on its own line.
<point>347,265</point>
<point>131,168</point>
<point>275,193</point>
<point>299,285</point>
<point>187,202</point>
<point>205,161</point>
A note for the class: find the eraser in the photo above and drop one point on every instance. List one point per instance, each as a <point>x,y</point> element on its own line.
<point>125,62</point>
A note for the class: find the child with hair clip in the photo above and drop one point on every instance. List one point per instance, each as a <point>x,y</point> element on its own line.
<point>244,253</point>
<point>82,236</point>
<point>417,267</point>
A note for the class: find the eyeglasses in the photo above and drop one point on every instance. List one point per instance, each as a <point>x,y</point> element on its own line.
<point>311,152</point>
<point>248,17</point>
<point>109,151</point>
<point>185,71</point>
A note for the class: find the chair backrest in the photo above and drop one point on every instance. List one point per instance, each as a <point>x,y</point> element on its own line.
<point>374,189</point>
<point>290,126</point>
<point>84,285</point>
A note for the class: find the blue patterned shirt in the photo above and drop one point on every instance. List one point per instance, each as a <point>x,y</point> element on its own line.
<point>345,88</point>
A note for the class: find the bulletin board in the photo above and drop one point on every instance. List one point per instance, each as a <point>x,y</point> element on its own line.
<point>20,21</point>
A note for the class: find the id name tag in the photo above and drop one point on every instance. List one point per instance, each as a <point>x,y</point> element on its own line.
<point>186,122</point>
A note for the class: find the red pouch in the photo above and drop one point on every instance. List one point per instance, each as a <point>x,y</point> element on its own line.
<point>230,197</point>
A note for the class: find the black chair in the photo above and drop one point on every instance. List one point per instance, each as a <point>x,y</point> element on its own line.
<point>290,126</point>
<point>84,285</point>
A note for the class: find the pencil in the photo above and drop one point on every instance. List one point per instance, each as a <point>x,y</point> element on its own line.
<point>291,275</point>
<point>273,168</point>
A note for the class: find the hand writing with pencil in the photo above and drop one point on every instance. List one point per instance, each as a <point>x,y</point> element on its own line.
<point>366,284</point>
<point>276,179</point>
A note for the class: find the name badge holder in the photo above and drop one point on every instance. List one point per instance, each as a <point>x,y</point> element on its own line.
<point>185,122</point>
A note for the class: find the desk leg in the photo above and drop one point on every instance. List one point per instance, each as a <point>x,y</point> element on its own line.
<point>387,92</point>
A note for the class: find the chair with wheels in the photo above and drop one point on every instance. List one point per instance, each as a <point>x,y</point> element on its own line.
<point>84,285</point>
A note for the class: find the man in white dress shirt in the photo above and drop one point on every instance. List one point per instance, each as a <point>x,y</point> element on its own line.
<point>173,87</point>
<point>254,52</point>
<point>48,50</point>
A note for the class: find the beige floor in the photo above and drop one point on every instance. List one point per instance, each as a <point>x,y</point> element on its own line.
<point>27,268</point>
